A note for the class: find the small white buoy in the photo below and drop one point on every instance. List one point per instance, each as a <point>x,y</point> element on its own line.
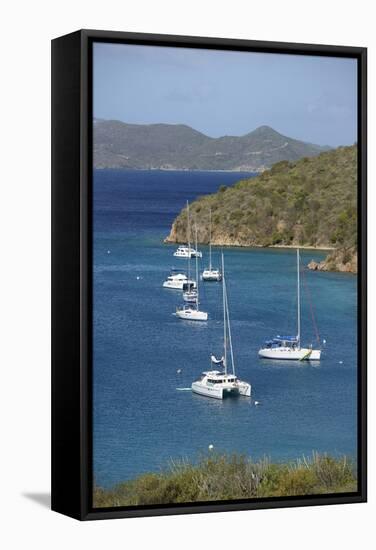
<point>340,362</point>
<point>257,403</point>
<point>178,371</point>
<point>108,251</point>
<point>138,277</point>
<point>211,447</point>
<point>324,341</point>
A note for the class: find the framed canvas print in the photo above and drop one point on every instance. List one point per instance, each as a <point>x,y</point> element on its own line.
<point>208,274</point>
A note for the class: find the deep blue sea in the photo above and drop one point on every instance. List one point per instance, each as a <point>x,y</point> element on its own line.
<point>141,420</point>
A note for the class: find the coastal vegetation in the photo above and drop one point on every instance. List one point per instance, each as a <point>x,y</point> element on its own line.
<point>229,477</point>
<point>309,203</point>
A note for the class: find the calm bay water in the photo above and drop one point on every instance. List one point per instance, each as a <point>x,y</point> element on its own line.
<point>141,420</point>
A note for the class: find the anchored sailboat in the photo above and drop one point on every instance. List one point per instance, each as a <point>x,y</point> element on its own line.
<point>210,274</point>
<point>190,295</point>
<point>178,280</point>
<point>192,313</point>
<point>184,251</point>
<point>220,383</point>
<point>289,347</point>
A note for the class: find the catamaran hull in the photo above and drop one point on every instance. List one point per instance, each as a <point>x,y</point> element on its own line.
<point>173,286</point>
<point>302,354</point>
<point>178,285</point>
<point>190,300</point>
<point>216,393</point>
<point>185,255</point>
<point>190,296</point>
<point>221,393</point>
<point>244,389</point>
<point>211,277</point>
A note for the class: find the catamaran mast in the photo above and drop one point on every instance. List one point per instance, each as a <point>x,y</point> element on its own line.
<point>224,317</point>
<point>298,292</point>
<point>229,334</point>
<point>189,243</point>
<point>196,270</point>
<point>210,259</point>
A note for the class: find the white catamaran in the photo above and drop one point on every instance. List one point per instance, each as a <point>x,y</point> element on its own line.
<point>188,312</point>
<point>289,347</point>
<point>190,295</point>
<point>179,281</point>
<point>184,252</point>
<point>210,274</point>
<point>220,383</point>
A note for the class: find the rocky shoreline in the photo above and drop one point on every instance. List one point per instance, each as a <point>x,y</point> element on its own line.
<point>342,260</point>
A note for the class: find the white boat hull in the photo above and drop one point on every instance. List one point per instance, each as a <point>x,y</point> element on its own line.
<point>191,299</point>
<point>242,388</point>
<point>185,254</point>
<point>290,354</point>
<point>174,285</point>
<point>201,389</point>
<point>208,275</point>
<point>192,314</point>
<point>178,284</point>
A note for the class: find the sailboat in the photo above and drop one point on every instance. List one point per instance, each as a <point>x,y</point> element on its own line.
<point>178,280</point>
<point>192,313</point>
<point>190,295</point>
<point>187,251</point>
<point>289,347</point>
<point>222,383</point>
<point>210,274</point>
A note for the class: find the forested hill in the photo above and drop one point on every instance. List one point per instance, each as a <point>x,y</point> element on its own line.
<point>179,147</point>
<point>308,203</point>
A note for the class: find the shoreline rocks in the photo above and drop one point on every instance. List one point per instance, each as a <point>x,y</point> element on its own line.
<point>341,260</point>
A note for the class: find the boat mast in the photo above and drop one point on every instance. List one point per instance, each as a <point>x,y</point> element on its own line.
<point>210,252</point>
<point>229,334</point>
<point>189,244</point>
<point>298,292</point>
<point>196,269</point>
<point>224,316</point>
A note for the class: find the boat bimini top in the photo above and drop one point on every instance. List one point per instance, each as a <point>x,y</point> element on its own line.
<point>285,338</point>
<point>278,340</point>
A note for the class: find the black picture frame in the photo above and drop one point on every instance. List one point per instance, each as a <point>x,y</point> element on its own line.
<point>72,272</point>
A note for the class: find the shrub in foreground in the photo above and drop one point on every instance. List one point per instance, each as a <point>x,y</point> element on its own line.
<point>229,477</point>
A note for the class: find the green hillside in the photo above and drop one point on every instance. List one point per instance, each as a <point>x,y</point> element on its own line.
<point>310,203</point>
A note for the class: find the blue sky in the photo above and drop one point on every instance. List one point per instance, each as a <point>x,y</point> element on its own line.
<point>220,93</point>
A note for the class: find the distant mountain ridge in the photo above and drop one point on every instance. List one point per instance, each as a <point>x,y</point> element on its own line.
<point>180,147</point>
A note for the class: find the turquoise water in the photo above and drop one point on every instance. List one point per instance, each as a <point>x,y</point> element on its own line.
<point>141,421</point>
